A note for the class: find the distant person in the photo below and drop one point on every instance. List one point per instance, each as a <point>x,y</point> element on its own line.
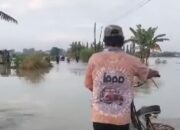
<point>57,59</point>
<point>77,59</point>
<point>8,57</point>
<point>62,58</point>
<point>109,77</point>
<point>68,60</point>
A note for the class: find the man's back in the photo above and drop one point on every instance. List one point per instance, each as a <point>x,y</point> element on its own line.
<point>110,78</point>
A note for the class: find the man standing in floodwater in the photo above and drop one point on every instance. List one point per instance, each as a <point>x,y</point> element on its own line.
<point>77,58</point>
<point>57,59</point>
<point>109,77</point>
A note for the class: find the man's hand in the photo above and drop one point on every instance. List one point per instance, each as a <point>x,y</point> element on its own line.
<point>153,73</point>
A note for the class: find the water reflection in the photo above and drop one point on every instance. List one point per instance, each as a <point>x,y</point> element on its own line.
<point>5,70</point>
<point>77,71</point>
<point>12,118</point>
<point>34,76</point>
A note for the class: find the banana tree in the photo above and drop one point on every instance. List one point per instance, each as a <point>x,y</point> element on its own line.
<point>7,17</point>
<point>147,41</point>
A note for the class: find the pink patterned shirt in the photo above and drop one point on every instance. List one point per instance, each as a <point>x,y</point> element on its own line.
<point>110,77</point>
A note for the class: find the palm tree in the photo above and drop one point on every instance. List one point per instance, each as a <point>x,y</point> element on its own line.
<point>8,18</point>
<point>146,40</point>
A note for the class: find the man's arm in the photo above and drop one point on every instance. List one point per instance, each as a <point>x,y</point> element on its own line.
<point>142,71</point>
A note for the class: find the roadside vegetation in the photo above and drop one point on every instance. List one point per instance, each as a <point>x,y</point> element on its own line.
<point>32,62</point>
<point>141,44</point>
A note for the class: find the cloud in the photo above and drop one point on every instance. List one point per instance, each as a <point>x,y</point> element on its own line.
<point>5,6</point>
<point>35,4</point>
<point>42,22</point>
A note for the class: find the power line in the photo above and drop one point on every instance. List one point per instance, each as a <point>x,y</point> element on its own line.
<point>132,10</point>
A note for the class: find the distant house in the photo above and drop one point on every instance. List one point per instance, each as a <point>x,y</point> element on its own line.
<point>28,51</point>
<point>1,57</point>
<point>11,52</point>
<point>4,57</point>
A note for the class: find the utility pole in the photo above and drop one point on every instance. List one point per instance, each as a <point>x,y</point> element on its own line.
<point>100,34</point>
<point>95,36</point>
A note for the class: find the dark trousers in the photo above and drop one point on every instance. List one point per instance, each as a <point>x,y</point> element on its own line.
<point>101,126</point>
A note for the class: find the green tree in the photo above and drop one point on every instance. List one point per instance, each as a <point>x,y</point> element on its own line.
<point>75,48</point>
<point>7,17</point>
<point>56,51</point>
<point>146,40</point>
<point>84,51</point>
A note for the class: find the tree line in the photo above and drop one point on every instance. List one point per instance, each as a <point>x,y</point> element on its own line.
<point>141,44</point>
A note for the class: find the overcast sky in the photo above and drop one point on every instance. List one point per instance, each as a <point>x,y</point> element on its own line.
<point>47,23</point>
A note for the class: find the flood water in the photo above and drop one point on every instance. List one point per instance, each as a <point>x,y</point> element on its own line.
<point>56,99</point>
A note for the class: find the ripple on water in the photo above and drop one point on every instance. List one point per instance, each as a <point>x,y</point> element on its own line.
<point>12,118</point>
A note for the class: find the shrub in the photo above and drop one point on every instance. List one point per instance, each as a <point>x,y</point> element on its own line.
<point>34,61</point>
<point>86,53</point>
